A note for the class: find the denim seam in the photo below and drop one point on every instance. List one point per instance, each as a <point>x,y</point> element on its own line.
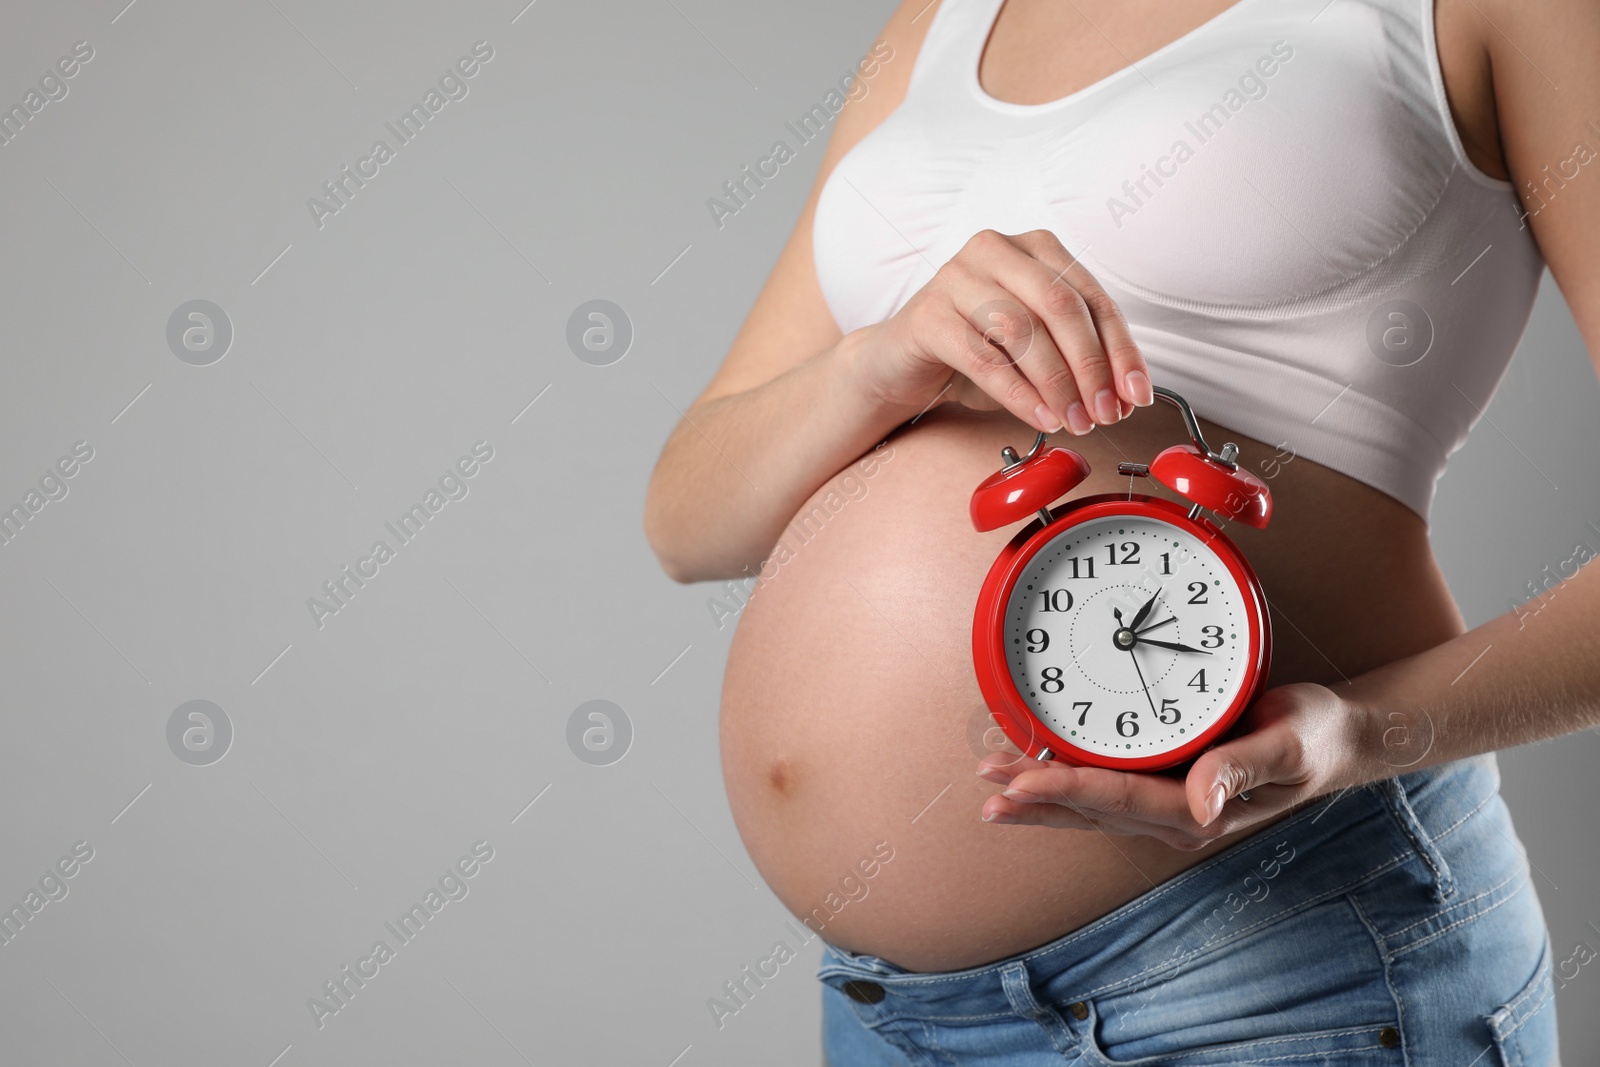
<point>1460,922</point>
<point>1454,907</point>
<point>1535,984</point>
<point>1310,1055</point>
<point>1405,816</point>
<point>906,1045</point>
<point>1274,1058</point>
<point>1246,1046</point>
<point>908,1017</point>
<point>1382,945</point>
<point>1453,827</point>
<point>1310,902</point>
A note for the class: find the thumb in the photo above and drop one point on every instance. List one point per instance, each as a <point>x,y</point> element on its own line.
<point>1272,754</point>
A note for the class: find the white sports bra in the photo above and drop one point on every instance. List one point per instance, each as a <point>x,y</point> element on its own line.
<point>1277,200</point>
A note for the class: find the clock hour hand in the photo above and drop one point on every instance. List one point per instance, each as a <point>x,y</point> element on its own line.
<point>1144,612</point>
<point>1169,644</point>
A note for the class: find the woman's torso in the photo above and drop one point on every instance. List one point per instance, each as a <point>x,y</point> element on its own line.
<point>851,719</point>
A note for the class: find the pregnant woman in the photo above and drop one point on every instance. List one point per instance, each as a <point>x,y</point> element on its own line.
<point>1323,223</point>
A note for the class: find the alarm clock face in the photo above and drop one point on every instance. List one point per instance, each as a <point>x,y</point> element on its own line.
<point>1128,636</point>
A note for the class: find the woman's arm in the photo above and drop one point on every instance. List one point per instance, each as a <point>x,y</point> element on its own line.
<point>720,494</point>
<point>1530,674</point>
<point>795,402</point>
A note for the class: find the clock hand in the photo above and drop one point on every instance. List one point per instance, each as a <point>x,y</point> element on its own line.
<point>1143,683</point>
<point>1163,622</point>
<point>1171,645</point>
<point>1144,612</point>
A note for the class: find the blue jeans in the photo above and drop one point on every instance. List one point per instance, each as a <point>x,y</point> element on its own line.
<point>1395,924</point>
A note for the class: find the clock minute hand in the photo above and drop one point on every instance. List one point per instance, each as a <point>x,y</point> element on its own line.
<point>1169,644</point>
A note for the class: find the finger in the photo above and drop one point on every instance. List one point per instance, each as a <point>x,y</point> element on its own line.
<point>1273,754</point>
<point>1000,811</point>
<point>1001,767</point>
<point>1083,373</point>
<point>1098,791</point>
<point>1024,343</point>
<point>954,340</point>
<point>1127,367</point>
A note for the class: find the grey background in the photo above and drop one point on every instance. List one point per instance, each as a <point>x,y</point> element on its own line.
<point>369,755</point>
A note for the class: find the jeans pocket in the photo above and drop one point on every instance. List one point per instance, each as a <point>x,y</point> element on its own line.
<point>1523,1030</point>
<point>1309,988</point>
<point>1356,1046</point>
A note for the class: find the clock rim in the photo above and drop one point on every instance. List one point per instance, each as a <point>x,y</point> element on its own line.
<point>1006,703</point>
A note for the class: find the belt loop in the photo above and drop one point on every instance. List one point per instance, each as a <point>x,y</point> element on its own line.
<point>1019,991</point>
<point>1394,798</point>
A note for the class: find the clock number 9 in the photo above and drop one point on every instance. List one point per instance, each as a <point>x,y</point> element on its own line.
<point>1050,680</point>
<point>1213,638</point>
<point>1039,638</point>
<point>1127,726</point>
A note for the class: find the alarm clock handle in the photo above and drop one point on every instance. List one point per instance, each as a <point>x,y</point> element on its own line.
<point>1230,451</point>
<point>1009,457</point>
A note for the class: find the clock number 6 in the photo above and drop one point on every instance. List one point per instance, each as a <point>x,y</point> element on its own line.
<point>1128,719</point>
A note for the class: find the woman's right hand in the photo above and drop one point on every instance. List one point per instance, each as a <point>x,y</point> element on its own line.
<point>1012,321</point>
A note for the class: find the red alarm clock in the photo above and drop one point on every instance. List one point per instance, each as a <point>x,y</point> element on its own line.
<point>1121,631</point>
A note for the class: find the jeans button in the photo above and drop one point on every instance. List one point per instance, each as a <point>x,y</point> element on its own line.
<point>1389,1037</point>
<point>863,992</point>
<point>1079,1010</point>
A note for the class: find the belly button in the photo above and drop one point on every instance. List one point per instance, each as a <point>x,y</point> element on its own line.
<point>780,776</point>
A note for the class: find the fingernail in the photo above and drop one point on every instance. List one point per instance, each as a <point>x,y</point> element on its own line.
<point>1214,803</point>
<point>1022,796</point>
<point>1046,419</point>
<point>1137,383</point>
<point>1105,406</point>
<point>1078,419</point>
<point>1000,816</point>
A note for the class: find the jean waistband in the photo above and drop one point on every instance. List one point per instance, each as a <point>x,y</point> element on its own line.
<point>1332,846</point>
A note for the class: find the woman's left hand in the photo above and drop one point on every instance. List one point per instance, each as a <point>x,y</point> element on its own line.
<point>1294,743</point>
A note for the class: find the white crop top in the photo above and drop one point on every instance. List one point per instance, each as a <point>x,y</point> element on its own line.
<point>1278,201</point>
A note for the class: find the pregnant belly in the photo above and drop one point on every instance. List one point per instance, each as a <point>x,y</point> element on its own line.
<point>852,723</point>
